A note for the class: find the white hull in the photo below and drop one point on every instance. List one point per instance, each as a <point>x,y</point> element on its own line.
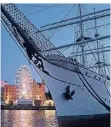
<point>83,103</point>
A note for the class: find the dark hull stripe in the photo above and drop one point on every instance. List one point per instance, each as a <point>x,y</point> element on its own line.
<point>101,120</point>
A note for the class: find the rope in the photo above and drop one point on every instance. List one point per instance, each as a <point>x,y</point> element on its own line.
<point>91,51</point>
<point>32,62</point>
<point>57,78</point>
<point>76,52</point>
<point>61,22</point>
<point>106,86</point>
<point>97,96</point>
<point>39,6</point>
<point>100,100</point>
<point>89,90</point>
<point>43,9</point>
<point>15,40</point>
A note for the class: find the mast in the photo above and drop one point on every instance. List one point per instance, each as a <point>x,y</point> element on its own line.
<point>104,60</point>
<point>81,35</point>
<point>96,35</point>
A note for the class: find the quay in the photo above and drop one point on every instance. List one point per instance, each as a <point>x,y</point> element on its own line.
<point>22,107</point>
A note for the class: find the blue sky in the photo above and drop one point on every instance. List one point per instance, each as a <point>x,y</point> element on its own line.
<point>11,56</point>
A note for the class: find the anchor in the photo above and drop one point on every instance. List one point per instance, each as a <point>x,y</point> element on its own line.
<point>68,94</point>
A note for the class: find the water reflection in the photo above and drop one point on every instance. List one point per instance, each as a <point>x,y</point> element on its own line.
<point>50,114</point>
<point>28,118</point>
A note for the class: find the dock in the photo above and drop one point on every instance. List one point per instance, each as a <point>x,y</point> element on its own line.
<point>27,107</point>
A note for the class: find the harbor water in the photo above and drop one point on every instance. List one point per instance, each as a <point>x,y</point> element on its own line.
<point>28,118</point>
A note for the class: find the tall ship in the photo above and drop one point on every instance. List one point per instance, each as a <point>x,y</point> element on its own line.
<point>80,90</point>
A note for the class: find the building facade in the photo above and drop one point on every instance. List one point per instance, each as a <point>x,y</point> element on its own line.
<point>2,84</point>
<point>10,94</point>
<point>48,99</point>
<point>38,93</point>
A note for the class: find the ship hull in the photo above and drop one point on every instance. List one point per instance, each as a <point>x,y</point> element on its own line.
<point>83,108</point>
<point>59,75</point>
<point>100,120</point>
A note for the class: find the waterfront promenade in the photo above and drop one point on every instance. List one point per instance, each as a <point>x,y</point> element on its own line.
<point>26,107</point>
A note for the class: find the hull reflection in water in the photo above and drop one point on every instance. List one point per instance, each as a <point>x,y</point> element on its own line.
<point>28,118</point>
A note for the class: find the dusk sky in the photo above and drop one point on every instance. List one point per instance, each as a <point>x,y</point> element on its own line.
<point>11,56</point>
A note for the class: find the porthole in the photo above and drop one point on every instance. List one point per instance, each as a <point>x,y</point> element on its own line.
<point>86,73</point>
